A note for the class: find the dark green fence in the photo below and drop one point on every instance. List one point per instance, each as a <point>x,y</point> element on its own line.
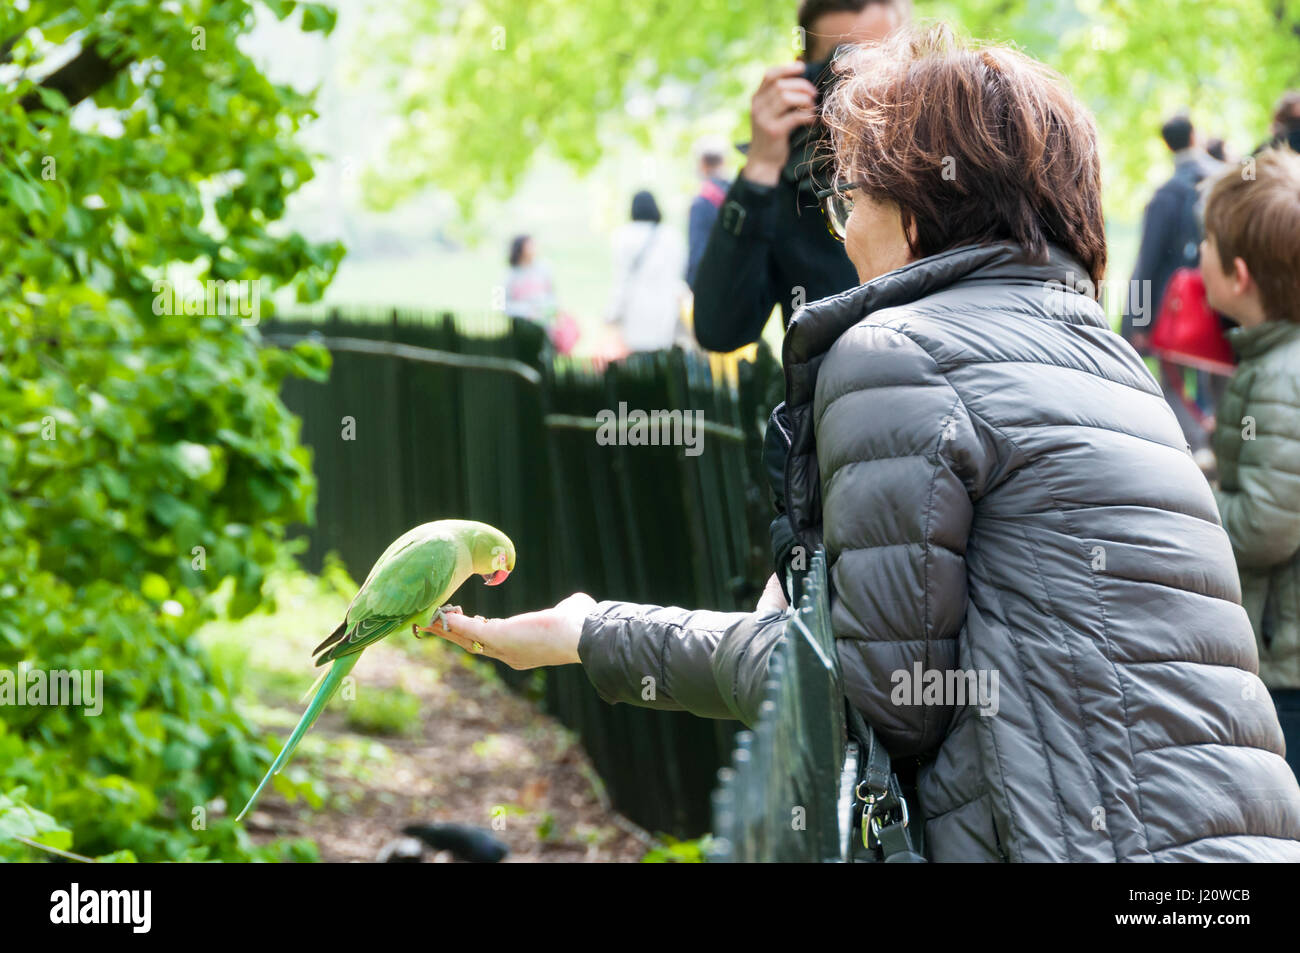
<point>781,799</point>
<point>488,425</point>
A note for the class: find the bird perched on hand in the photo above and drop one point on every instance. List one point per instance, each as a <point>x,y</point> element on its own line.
<point>417,573</point>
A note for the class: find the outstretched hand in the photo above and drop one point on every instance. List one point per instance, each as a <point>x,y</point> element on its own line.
<point>549,636</point>
<point>530,640</point>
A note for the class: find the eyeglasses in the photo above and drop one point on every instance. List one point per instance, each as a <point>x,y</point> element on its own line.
<point>837,206</point>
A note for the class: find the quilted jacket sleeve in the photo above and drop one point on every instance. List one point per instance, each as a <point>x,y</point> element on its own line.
<point>901,459</point>
<point>712,664</point>
<point>1263,517</point>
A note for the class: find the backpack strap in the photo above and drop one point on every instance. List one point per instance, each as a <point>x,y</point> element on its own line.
<point>713,193</point>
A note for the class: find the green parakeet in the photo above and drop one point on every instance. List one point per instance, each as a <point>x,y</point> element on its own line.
<point>418,572</point>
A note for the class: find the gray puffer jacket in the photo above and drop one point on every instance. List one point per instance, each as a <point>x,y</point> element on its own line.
<point>1002,490</point>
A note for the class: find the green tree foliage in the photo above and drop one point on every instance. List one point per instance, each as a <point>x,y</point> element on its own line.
<point>145,458</point>
<point>484,83</point>
<point>1137,62</point>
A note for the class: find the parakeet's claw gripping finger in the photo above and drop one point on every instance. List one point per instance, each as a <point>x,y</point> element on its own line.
<point>439,621</point>
<point>441,615</point>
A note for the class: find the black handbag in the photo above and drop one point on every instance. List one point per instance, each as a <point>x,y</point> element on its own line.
<point>880,803</point>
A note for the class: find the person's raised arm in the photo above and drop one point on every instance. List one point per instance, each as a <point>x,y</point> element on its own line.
<point>734,295</point>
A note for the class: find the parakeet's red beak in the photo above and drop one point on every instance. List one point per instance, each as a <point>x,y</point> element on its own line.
<point>495,578</point>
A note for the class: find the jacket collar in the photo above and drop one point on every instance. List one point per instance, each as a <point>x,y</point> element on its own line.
<point>815,328</point>
<point>1252,342</point>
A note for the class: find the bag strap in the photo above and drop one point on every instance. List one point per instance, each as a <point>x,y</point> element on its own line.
<point>883,808</point>
<point>877,794</point>
<point>639,260</point>
<point>634,267</point>
<point>1189,226</point>
<point>713,193</point>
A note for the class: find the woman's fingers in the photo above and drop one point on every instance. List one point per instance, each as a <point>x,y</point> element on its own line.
<point>460,625</point>
<point>465,631</point>
<point>548,637</point>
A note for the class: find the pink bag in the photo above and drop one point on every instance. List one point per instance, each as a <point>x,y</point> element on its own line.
<point>565,332</point>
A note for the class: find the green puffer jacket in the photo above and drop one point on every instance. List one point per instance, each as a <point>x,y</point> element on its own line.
<point>1257,443</point>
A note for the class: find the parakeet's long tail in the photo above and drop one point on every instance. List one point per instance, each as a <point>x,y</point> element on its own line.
<point>328,686</point>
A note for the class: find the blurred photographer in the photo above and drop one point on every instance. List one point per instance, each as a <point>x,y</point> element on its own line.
<point>769,244</point>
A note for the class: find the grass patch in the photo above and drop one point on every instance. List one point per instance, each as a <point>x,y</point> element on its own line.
<point>385,711</point>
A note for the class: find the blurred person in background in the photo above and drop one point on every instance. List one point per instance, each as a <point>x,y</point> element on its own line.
<point>646,303</point>
<point>530,293</point>
<point>1286,122</point>
<point>1251,263</point>
<point>1171,230</point>
<point>769,245</point>
<point>704,207</point>
<point>1171,239</point>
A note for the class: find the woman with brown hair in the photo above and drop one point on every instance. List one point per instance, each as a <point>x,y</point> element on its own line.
<point>1001,491</point>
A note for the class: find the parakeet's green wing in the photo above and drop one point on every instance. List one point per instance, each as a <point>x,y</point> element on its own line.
<point>407,583</point>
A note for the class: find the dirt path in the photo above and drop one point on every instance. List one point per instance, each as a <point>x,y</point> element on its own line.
<point>480,752</point>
